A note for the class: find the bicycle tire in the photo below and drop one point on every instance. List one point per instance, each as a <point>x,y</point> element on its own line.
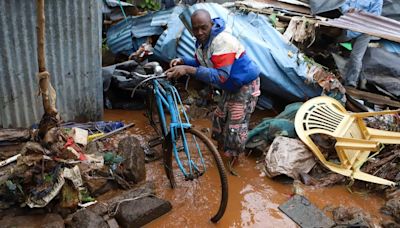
<point>168,157</point>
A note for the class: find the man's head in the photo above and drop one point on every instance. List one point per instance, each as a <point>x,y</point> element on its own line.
<point>201,25</point>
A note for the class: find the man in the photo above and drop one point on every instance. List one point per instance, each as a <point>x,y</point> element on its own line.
<point>220,60</point>
<point>354,66</point>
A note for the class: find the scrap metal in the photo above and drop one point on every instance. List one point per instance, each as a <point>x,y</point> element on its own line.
<point>367,23</point>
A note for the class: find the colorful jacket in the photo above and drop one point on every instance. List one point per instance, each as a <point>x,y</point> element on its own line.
<point>222,62</point>
<point>370,6</point>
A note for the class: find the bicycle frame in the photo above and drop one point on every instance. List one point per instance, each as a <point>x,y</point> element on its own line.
<point>167,96</point>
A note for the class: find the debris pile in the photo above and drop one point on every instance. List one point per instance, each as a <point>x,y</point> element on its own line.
<point>71,165</point>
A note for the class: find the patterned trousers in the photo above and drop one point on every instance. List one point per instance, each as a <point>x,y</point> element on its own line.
<point>232,116</point>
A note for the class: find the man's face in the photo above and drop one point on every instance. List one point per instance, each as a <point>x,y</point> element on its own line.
<point>201,27</point>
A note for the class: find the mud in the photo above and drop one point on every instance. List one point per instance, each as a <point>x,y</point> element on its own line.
<point>253,198</point>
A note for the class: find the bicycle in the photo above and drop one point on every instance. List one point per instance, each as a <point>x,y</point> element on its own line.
<point>178,137</point>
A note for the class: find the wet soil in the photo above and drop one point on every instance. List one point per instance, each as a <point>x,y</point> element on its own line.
<point>253,198</point>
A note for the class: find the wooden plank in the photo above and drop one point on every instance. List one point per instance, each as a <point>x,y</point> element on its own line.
<point>372,97</point>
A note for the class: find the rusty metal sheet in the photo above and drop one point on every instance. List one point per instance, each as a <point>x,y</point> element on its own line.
<point>367,23</point>
<point>73,58</point>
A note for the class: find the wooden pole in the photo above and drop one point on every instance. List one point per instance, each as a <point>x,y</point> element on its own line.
<point>50,118</point>
<point>40,35</point>
<point>46,89</point>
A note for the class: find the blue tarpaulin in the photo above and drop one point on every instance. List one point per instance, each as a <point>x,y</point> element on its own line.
<point>283,70</point>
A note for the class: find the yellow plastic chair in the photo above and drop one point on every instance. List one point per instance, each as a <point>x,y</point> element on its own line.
<point>354,140</point>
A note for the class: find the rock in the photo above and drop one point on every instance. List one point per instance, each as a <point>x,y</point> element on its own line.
<point>33,221</point>
<point>88,219</point>
<point>99,186</point>
<point>102,208</point>
<point>133,167</point>
<point>94,147</point>
<point>136,213</point>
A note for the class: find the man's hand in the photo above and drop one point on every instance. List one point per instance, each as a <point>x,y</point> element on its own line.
<point>179,71</point>
<point>175,62</point>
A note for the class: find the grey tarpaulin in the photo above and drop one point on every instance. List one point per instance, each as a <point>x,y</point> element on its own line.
<point>321,6</point>
<point>380,67</point>
<point>391,9</point>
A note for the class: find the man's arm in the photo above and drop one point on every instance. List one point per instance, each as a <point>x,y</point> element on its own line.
<point>191,61</point>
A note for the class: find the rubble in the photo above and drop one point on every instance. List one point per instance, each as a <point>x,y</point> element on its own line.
<point>351,217</point>
<point>46,220</point>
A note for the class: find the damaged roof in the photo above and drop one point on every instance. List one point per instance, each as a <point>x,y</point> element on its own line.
<point>367,23</point>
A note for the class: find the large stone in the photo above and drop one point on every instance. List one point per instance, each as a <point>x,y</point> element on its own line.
<point>88,219</point>
<point>33,221</point>
<point>138,212</point>
<point>133,167</point>
<point>108,200</point>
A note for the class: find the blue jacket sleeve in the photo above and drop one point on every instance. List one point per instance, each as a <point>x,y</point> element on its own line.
<point>210,75</point>
<point>190,61</point>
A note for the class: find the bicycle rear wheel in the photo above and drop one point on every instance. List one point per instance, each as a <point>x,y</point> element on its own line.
<point>208,187</point>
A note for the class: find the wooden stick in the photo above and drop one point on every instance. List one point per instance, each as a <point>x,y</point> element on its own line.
<point>40,35</point>
<point>47,91</point>
<point>9,160</point>
<point>113,132</point>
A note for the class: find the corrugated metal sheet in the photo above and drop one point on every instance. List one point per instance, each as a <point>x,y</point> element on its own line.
<point>73,58</point>
<point>120,37</point>
<point>367,23</point>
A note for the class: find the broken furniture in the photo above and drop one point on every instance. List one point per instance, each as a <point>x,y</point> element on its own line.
<point>355,141</point>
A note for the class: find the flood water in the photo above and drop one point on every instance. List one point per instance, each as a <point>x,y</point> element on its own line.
<point>253,199</point>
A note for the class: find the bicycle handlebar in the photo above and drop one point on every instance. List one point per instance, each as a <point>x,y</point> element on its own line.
<point>148,78</point>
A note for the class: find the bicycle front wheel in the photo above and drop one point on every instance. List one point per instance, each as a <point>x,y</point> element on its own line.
<point>205,182</point>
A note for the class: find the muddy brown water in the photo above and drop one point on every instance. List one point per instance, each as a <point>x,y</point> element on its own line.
<point>253,198</point>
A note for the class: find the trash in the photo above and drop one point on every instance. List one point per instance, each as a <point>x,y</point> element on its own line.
<point>80,136</point>
<point>95,161</point>
<point>73,175</point>
<point>37,200</point>
<point>301,29</point>
<point>114,132</point>
<point>304,213</point>
<point>88,204</point>
<point>69,196</point>
<point>289,157</point>
<point>9,160</point>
